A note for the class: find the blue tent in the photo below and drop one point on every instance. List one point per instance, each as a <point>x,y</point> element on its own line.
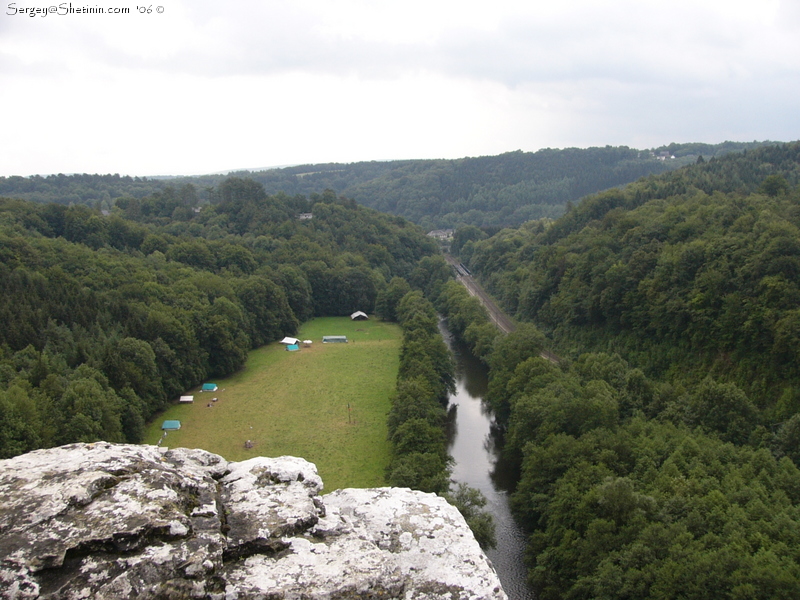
<point>170,425</point>
<point>209,387</point>
<point>292,347</point>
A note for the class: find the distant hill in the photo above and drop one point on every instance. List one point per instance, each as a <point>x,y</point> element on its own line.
<point>98,191</point>
<point>488,191</point>
<point>698,265</point>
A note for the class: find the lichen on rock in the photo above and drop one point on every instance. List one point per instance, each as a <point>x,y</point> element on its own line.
<point>123,521</point>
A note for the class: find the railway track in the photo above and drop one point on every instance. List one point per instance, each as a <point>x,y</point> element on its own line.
<point>498,317</point>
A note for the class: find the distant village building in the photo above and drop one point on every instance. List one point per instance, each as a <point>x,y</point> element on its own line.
<point>305,216</point>
<point>441,234</point>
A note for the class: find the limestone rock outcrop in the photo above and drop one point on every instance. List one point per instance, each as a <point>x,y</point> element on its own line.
<point>124,521</point>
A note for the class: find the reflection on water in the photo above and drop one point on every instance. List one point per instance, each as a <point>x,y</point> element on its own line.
<point>473,446</point>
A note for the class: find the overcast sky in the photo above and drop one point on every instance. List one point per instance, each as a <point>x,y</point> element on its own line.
<point>210,86</point>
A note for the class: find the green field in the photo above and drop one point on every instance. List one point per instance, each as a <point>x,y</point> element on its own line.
<point>296,403</point>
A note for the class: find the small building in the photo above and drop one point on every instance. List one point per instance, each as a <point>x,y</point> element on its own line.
<point>209,387</point>
<point>171,425</point>
<point>305,216</point>
<point>441,234</point>
<point>359,316</point>
<point>186,399</point>
<point>289,340</point>
<point>334,339</point>
<point>292,347</point>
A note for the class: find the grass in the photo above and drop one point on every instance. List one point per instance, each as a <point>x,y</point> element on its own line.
<point>296,403</point>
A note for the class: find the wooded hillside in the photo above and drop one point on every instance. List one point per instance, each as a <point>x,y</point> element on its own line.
<point>103,320</point>
<point>658,458</point>
<point>490,191</point>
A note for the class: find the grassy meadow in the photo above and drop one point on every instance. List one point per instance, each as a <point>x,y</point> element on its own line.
<point>296,403</point>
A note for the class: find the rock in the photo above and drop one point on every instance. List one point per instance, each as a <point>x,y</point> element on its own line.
<point>123,521</point>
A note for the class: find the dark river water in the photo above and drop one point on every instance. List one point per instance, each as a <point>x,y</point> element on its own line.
<point>475,452</point>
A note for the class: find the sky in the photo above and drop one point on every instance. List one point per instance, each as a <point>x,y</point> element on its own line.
<point>200,86</point>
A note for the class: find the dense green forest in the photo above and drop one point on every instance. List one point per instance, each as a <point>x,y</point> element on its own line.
<point>694,271</point>
<point>97,191</point>
<point>658,457</point>
<point>105,319</point>
<point>490,191</point>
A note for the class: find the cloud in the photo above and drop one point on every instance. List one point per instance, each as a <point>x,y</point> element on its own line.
<point>255,83</point>
<point>513,43</point>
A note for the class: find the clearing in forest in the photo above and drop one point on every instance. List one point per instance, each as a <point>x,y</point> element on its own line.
<point>296,403</point>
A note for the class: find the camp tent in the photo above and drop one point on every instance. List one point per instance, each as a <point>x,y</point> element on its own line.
<point>289,341</point>
<point>209,387</point>
<point>334,339</point>
<point>293,347</point>
<point>187,399</point>
<point>307,343</point>
<point>359,316</point>
<point>170,425</point>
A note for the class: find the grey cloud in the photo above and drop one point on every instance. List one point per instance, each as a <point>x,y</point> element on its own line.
<point>629,43</point>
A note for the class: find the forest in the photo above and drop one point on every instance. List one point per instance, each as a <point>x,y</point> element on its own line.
<point>658,457</point>
<point>106,319</point>
<point>487,191</point>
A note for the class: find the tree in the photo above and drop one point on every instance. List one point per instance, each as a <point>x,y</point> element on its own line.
<point>131,363</point>
<point>389,298</point>
<point>787,440</point>
<point>468,233</point>
<point>19,423</point>
<point>723,408</point>
<point>774,185</point>
<point>427,472</point>
<point>414,399</point>
<point>225,341</point>
<point>430,275</point>
<point>419,435</point>
<point>268,313</point>
<point>470,502</point>
<point>89,410</point>
<point>297,289</point>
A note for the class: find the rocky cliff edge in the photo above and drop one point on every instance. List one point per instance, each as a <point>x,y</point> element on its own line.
<point>122,521</point>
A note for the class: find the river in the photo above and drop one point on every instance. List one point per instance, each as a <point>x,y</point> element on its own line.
<point>475,452</point>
